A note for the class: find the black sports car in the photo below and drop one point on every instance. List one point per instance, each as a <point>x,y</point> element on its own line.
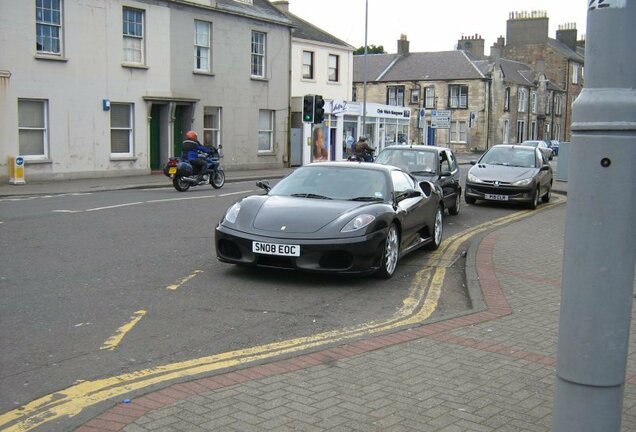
<point>337,217</point>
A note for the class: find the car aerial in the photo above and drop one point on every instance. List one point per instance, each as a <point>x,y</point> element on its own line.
<point>510,173</point>
<point>435,164</point>
<point>541,145</point>
<point>554,146</point>
<point>333,217</point>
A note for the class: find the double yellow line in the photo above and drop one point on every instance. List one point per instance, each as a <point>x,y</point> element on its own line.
<point>420,303</point>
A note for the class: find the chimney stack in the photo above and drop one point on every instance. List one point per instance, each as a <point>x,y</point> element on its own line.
<point>527,28</point>
<point>282,5</point>
<point>566,34</point>
<point>403,45</point>
<point>472,44</point>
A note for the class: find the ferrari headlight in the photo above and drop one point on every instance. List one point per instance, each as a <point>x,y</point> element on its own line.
<point>474,179</point>
<point>523,182</point>
<point>358,222</point>
<point>232,213</point>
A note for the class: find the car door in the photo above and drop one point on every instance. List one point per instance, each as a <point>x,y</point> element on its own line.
<point>411,211</point>
<point>545,176</point>
<point>448,177</point>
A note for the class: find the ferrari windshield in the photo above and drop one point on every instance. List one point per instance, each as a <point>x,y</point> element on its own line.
<point>510,156</point>
<point>330,182</point>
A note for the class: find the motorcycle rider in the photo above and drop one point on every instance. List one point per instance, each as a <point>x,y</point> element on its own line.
<point>191,150</point>
<point>363,150</point>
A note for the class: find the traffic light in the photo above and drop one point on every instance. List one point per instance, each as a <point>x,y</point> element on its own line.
<point>308,108</point>
<point>319,109</point>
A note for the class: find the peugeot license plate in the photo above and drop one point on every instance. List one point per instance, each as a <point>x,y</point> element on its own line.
<point>496,197</point>
<point>275,249</point>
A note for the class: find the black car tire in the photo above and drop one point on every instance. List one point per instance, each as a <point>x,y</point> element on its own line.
<point>535,200</point>
<point>546,198</point>
<point>438,230</point>
<point>179,184</point>
<point>454,209</point>
<point>391,253</point>
<point>470,200</point>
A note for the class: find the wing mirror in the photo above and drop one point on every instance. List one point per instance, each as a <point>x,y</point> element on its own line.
<point>264,184</point>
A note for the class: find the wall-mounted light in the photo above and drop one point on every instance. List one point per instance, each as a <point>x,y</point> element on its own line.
<point>106,104</point>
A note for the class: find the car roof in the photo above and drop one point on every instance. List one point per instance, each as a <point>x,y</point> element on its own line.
<point>514,146</point>
<point>364,165</point>
<point>416,147</point>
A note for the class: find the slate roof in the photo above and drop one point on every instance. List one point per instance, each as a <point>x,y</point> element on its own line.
<point>443,65</point>
<point>565,50</point>
<point>306,30</point>
<point>260,9</point>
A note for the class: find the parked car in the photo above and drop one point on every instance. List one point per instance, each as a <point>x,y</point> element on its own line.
<point>435,164</point>
<point>333,217</point>
<point>510,173</point>
<point>541,145</point>
<point>554,146</point>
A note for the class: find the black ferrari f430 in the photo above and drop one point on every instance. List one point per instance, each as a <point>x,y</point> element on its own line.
<point>333,217</point>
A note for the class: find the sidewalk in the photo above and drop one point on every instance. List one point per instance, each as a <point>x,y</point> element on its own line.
<point>492,370</point>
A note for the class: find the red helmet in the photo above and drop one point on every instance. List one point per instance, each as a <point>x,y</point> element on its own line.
<point>191,135</point>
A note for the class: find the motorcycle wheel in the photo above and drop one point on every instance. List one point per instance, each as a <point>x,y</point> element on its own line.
<point>179,184</point>
<point>217,179</point>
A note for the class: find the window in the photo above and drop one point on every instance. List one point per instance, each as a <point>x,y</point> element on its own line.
<point>521,131</point>
<point>458,96</point>
<point>48,26</point>
<point>575,73</point>
<point>533,102</point>
<point>121,129</point>
<point>265,131</point>
<point>401,182</point>
<point>259,40</point>
<point>507,99</point>
<point>533,130</point>
<point>212,126</point>
<point>308,65</point>
<point>334,64</point>
<point>458,131</point>
<point>506,131</point>
<point>202,44</point>
<point>548,103</point>
<point>522,104</point>
<point>354,94</point>
<point>33,129</point>
<point>557,105</point>
<point>133,33</point>
<point>546,133</point>
<point>415,96</point>
<point>429,97</point>
<point>557,132</point>
<point>395,95</point>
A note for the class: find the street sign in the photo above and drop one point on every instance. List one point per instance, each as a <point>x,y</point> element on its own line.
<point>440,119</point>
<point>421,113</point>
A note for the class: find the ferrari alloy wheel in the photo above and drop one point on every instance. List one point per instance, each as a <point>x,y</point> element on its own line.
<point>180,184</point>
<point>391,253</point>
<point>438,228</point>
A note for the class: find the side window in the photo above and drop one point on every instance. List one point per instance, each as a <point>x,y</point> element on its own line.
<point>401,182</point>
<point>452,161</point>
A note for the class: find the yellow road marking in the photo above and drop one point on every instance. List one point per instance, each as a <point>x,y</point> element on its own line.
<point>113,341</point>
<point>184,280</point>
<point>416,308</point>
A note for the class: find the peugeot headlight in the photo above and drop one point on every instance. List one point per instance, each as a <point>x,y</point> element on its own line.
<point>474,179</point>
<point>232,213</point>
<point>523,182</point>
<point>358,222</point>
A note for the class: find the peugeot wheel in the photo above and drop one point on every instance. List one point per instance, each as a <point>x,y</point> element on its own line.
<point>454,209</point>
<point>391,253</point>
<point>535,199</point>
<point>179,184</point>
<point>546,198</point>
<point>217,180</point>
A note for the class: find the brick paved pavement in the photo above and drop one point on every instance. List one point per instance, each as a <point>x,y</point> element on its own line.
<point>489,371</point>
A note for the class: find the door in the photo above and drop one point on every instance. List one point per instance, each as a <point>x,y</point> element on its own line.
<point>178,130</point>
<point>155,137</point>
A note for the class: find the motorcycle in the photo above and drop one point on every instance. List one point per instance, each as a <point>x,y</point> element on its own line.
<point>181,172</point>
<point>365,157</point>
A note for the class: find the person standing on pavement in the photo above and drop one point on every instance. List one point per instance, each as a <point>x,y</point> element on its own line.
<point>191,150</point>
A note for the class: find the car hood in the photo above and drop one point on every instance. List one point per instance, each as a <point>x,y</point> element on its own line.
<point>502,173</point>
<point>293,215</point>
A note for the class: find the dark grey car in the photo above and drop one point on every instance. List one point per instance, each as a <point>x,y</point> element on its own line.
<point>510,173</point>
<point>437,165</point>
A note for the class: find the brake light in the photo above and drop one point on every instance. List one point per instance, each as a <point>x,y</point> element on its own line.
<point>172,163</point>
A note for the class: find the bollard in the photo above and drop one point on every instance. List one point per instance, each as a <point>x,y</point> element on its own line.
<point>16,170</point>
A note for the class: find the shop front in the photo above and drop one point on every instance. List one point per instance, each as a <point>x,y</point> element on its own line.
<point>344,123</point>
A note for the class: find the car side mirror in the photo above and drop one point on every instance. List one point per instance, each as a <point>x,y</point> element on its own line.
<point>264,184</point>
<point>409,193</point>
<point>544,168</point>
<point>445,174</point>
<point>472,162</point>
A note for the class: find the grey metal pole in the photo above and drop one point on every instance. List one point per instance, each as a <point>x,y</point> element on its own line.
<point>364,103</point>
<point>600,242</point>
